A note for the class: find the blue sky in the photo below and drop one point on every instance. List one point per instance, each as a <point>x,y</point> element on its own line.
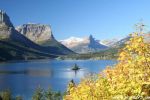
<point>104,19</point>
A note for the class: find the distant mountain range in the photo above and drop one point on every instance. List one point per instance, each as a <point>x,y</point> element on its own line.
<point>29,41</point>
<point>109,42</point>
<point>84,45</point>
<point>89,44</point>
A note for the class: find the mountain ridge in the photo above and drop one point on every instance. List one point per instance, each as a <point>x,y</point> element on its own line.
<point>11,40</point>
<point>83,45</point>
<point>42,35</point>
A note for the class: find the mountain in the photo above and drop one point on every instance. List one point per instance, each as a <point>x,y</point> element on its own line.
<point>42,35</point>
<point>36,32</point>
<point>110,53</point>
<point>4,19</point>
<point>109,42</point>
<point>72,42</point>
<point>83,45</point>
<point>121,42</point>
<point>15,46</point>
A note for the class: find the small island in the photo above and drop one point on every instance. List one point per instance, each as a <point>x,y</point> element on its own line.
<point>75,67</point>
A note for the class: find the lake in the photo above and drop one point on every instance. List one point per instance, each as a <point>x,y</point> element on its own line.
<point>23,77</point>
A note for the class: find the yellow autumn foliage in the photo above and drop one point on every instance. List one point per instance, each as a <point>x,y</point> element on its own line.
<point>129,79</point>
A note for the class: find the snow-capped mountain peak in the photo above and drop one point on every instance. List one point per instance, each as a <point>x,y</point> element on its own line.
<point>83,45</point>
<point>72,41</point>
<point>75,39</point>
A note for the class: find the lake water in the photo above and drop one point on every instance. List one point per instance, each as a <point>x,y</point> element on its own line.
<point>22,78</point>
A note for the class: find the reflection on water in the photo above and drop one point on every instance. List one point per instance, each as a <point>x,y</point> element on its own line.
<point>70,74</point>
<point>39,72</point>
<point>24,77</point>
<point>30,72</point>
<point>48,72</point>
<point>11,72</point>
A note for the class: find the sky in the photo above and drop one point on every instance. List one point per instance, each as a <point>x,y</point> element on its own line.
<point>104,19</point>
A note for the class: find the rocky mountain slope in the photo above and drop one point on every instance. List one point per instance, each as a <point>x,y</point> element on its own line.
<point>42,35</point>
<point>83,45</point>
<point>36,32</point>
<point>109,42</point>
<point>121,42</point>
<point>14,45</point>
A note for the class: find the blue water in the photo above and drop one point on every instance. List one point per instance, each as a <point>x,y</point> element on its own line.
<point>45,73</point>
